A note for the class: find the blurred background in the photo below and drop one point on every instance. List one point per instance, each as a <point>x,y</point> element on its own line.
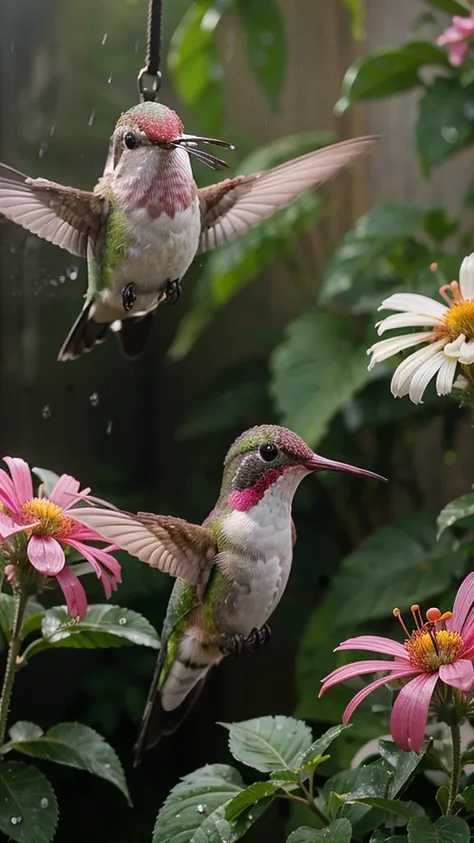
<point>271,329</point>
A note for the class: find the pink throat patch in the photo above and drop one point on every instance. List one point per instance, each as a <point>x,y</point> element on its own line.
<point>245,499</point>
<point>170,191</point>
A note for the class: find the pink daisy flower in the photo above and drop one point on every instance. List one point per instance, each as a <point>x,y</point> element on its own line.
<point>48,524</point>
<point>439,650</point>
<point>455,38</point>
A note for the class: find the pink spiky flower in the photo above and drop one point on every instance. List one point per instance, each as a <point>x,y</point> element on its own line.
<point>48,525</point>
<point>455,38</point>
<point>439,650</point>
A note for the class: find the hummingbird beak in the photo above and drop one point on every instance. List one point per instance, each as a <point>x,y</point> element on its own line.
<point>317,463</point>
<point>189,142</point>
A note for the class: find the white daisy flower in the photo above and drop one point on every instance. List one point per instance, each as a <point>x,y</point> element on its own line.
<point>449,334</point>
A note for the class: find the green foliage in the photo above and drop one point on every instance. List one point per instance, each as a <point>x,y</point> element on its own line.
<point>339,831</point>
<point>455,511</point>
<point>445,121</point>
<point>28,809</point>
<point>265,37</point>
<point>444,830</point>
<point>269,743</point>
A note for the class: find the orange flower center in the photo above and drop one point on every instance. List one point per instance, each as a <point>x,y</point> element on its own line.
<point>459,319</point>
<point>431,644</point>
<point>52,521</point>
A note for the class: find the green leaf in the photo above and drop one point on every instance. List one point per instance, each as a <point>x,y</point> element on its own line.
<point>194,811</point>
<point>442,798</point>
<point>268,743</point>
<point>248,797</point>
<point>455,511</point>
<point>452,7</point>
<point>28,808</point>
<point>445,122</point>
<point>265,40</point>
<point>72,745</point>
<point>444,830</point>
<point>466,798</point>
<point>404,764</point>
<point>318,748</point>
<point>317,369</point>
<point>48,479</point>
<point>391,220</point>
<point>415,567</point>
<point>339,831</point>
<point>7,614</point>
<point>355,10</point>
<point>366,782</point>
<point>387,71</point>
<point>104,626</point>
<point>392,806</point>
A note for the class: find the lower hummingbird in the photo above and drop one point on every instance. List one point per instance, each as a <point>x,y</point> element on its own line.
<point>146,219</point>
<point>232,570</point>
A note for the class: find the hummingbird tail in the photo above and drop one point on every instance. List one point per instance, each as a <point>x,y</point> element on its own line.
<point>134,334</point>
<point>84,334</point>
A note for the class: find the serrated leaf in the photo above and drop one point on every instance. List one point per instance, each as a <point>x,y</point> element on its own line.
<point>72,745</point>
<point>316,370</point>
<point>265,41</point>
<point>194,811</point>
<point>28,808</point>
<point>318,748</point>
<point>268,743</point>
<point>339,831</point>
<point>445,121</point>
<point>105,625</point>
<point>444,830</point>
<point>454,511</point>
<point>387,71</point>
<point>248,797</point>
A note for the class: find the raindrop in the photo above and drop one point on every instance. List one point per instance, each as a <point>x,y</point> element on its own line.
<point>250,817</point>
<point>44,802</point>
<point>137,44</point>
<point>122,621</point>
<point>450,134</point>
<point>107,766</point>
<point>94,399</point>
<point>43,149</point>
<point>177,816</point>
<point>62,279</point>
<point>15,820</point>
<point>52,129</point>
<point>110,79</point>
<point>72,272</point>
<point>104,38</point>
<point>110,425</point>
<point>46,411</point>
<point>201,809</point>
<point>90,122</point>
<point>53,281</point>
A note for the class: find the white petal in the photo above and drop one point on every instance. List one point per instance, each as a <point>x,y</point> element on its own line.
<point>453,349</point>
<point>404,372</point>
<point>466,277</point>
<point>414,303</point>
<point>466,353</point>
<point>406,320</point>
<point>444,381</point>
<point>422,377</point>
<point>386,348</point>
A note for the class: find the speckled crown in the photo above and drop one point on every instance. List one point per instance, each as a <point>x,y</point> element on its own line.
<point>158,122</point>
<point>288,441</point>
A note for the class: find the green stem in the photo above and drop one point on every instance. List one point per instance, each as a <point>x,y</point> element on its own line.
<point>309,794</point>
<point>455,767</point>
<point>13,651</point>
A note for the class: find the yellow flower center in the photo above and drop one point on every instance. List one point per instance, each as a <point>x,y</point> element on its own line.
<point>460,320</point>
<point>52,521</point>
<point>430,649</point>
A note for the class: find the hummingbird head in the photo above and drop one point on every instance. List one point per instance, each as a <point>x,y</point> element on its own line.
<point>152,126</point>
<point>268,455</point>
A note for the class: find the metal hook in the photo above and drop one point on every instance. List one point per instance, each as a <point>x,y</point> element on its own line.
<point>149,85</point>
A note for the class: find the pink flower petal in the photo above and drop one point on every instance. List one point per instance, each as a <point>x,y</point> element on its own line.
<point>375,644</point>
<point>348,671</point>
<point>456,53</point>
<point>451,35</point>
<point>8,526</point>
<point>97,558</point>
<point>21,477</point>
<point>460,674</point>
<point>65,492</point>
<point>8,494</point>
<point>464,25</point>
<point>364,692</point>
<point>410,712</point>
<point>46,555</point>
<point>73,592</point>
<point>462,604</point>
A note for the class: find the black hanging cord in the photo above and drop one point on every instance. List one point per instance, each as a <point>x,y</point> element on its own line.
<point>149,78</point>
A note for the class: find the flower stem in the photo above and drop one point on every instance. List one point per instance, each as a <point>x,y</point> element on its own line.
<point>455,767</point>
<point>309,794</point>
<point>20,605</point>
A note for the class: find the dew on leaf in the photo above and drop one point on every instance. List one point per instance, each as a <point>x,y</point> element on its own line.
<point>44,802</point>
<point>15,820</point>
<point>122,621</point>
<point>450,134</point>
<point>201,809</point>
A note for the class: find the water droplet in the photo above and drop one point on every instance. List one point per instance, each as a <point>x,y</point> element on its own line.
<point>250,817</point>
<point>137,44</point>
<point>110,425</point>
<point>91,119</point>
<point>177,816</point>
<point>44,802</point>
<point>450,134</point>
<point>53,282</point>
<point>122,621</point>
<point>210,20</point>
<point>15,820</point>
<point>107,766</point>
<point>201,809</point>
<point>46,411</point>
<point>72,272</point>
<point>279,727</point>
<point>110,78</point>
<point>52,129</point>
<point>104,38</point>
<point>94,399</point>
<point>43,149</point>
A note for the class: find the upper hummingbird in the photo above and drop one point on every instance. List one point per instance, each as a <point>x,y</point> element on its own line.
<point>146,218</point>
<point>232,570</point>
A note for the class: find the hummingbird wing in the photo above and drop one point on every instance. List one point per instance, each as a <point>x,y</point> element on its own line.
<point>67,217</point>
<point>229,208</point>
<point>170,544</point>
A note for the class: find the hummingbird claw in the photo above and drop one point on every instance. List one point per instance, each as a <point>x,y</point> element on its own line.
<point>129,297</point>
<point>236,644</point>
<point>173,292</point>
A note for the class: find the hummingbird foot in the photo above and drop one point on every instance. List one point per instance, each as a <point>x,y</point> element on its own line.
<point>173,291</point>
<point>129,296</point>
<point>236,644</point>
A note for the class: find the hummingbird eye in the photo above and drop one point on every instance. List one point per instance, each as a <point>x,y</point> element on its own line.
<point>268,451</point>
<point>130,140</point>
